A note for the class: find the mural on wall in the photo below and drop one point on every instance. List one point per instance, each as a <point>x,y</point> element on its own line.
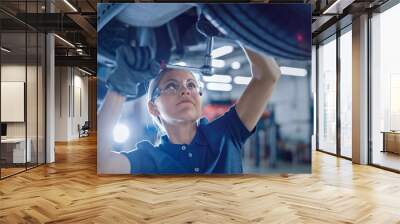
<point>204,88</point>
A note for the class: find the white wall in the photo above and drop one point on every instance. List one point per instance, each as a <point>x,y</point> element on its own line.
<point>16,73</point>
<point>12,101</point>
<point>61,103</point>
<point>70,84</point>
<point>81,89</point>
<point>33,126</point>
<point>13,72</point>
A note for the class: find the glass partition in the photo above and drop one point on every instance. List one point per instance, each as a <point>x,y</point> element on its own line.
<point>22,89</point>
<point>14,153</point>
<point>327,95</point>
<point>385,89</point>
<point>32,95</point>
<point>41,91</point>
<point>346,93</point>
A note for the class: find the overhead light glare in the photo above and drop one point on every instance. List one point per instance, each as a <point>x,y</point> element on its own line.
<point>218,78</point>
<point>293,71</point>
<point>5,50</point>
<point>221,51</point>
<point>70,5</point>
<point>224,87</point>
<point>64,40</point>
<point>242,80</point>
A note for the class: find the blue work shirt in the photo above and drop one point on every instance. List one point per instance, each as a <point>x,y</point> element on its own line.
<point>215,148</point>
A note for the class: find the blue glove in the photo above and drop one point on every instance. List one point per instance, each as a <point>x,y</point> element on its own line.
<point>134,67</point>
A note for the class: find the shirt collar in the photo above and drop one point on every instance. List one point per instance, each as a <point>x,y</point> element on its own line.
<point>198,139</point>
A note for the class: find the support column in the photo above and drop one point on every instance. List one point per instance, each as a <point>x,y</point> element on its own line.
<point>360,90</point>
<point>50,93</point>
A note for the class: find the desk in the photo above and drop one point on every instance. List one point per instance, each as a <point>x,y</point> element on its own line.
<point>17,150</point>
<point>391,142</point>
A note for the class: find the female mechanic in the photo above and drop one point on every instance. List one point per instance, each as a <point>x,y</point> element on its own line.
<point>190,145</point>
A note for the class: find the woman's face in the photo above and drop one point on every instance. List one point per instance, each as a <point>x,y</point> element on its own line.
<point>182,106</point>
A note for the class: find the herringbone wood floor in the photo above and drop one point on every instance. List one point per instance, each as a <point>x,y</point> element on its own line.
<point>70,191</point>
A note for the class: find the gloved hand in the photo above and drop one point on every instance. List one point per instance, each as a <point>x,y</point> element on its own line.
<point>134,67</point>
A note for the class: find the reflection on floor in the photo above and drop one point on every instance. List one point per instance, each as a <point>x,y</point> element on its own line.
<point>386,159</point>
<point>10,169</point>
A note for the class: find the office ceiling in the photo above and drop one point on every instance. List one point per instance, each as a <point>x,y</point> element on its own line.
<point>73,20</point>
<point>79,27</point>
